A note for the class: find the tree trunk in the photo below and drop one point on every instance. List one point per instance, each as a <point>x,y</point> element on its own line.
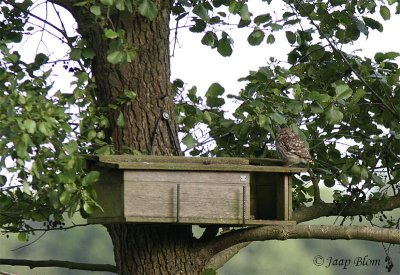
<point>155,249</point>
<point>142,249</point>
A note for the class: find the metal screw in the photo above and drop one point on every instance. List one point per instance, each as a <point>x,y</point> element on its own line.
<point>165,115</point>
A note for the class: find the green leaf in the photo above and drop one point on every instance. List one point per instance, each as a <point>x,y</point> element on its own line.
<point>343,92</point>
<point>291,37</point>
<point>214,91</point>
<point>270,39</point>
<point>148,9</point>
<point>244,13</point>
<point>23,237</point>
<point>65,197</point>
<point>224,47</point>
<point>316,108</point>
<point>263,18</point>
<point>378,180</point>
<point>334,115</point>
<point>319,97</point>
<point>115,57</point>
<point>110,34</point>
<point>385,12</point>
<point>96,10</point>
<point>104,150</point>
<point>89,207</point>
<point>3,180</point>
<point>88,53</point>
<point>91,178</point>
<point>278,118</point>
<point>107,2</point>
<point>360,93</point>
<point>256,37</point>
<point>316,52</point>
<point>373,24</point>
<point>264,121</point>
<point>189,141</point>
<point>329,183</point>
<point>120,5</point>
<point>207,117</point>
<point>46,129</point>
<point>210,271</point>
<point>294,107</point>
<point>120,120</point>
<point>30,126</point>
<point>53,198</point>
<point>41,58</point>
<point>202,12</point>
<point>210,39</point>
<point>75,54</point>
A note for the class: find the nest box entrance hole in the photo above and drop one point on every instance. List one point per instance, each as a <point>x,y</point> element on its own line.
<point>270,196</point>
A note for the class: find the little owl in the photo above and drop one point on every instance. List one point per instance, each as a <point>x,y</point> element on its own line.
<point>291,148</point>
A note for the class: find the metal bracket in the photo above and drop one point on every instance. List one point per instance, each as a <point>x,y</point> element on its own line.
<point>244,205</point>
<point>178,201</point>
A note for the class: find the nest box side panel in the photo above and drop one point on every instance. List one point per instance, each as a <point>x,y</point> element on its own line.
<point>109,191</point>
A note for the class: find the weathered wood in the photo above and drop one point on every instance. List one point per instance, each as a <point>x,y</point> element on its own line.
<point>145,189</point>
<point>128,162</point>
<point>213,202</point>
<point>202,167</point>
<point>187,177</point>
<point>167,159</point>
<point>227,222</point>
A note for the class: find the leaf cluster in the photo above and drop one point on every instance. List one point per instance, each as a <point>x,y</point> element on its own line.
<point>344,106</point>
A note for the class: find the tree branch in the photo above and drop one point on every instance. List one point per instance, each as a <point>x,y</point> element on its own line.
<point>219,260</point>
<point>315,183</point>
<point>356,208</point>
<point>39,18</point>
<point>55,263</point>
<point>330,232</point>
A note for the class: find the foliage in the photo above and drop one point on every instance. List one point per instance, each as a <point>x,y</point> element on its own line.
<point>343,104</point>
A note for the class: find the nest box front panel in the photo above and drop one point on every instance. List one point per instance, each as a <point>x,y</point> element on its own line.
<point>186,195</point>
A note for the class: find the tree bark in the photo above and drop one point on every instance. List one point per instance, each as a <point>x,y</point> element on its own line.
<point>142,249</point>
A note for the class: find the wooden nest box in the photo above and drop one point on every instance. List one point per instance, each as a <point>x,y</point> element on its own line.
<point>223,191</point>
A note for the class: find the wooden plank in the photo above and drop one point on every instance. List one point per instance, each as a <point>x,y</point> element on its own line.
<point>169,159</point>
<point>158,199</point>
<point>213,202</point>
<point>191,163</point>
<point>230,222</point>
<point>289,187</point>
<point>283,202</point>
<point>150,199</point>
<point>266,162</point>
<point>185,177</point>
<point>214,167</point>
